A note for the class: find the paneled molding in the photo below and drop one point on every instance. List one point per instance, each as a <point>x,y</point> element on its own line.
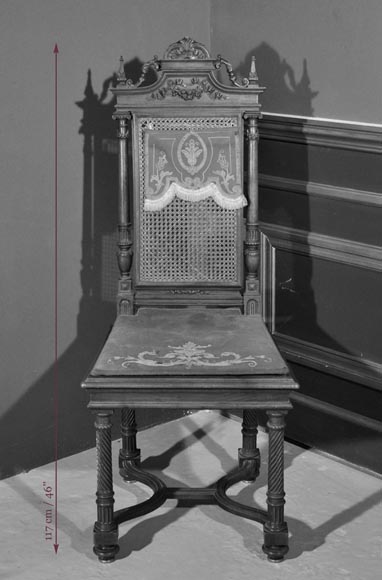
<point>344,365</point>
<point>324,133</point>
<point>313,189</point>
<point>338,412</point>
<point>267,279</point>
<point>323,246</point>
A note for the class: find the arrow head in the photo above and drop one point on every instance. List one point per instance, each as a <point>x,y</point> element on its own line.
<point>55,49</point>
<point>56,547</point>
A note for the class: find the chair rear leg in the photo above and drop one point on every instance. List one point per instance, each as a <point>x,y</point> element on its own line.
<point>129,453</point>
<point>249,454</point>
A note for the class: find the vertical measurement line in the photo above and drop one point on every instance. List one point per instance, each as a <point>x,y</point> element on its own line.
<point>92,208</point>
<point>56,377</point>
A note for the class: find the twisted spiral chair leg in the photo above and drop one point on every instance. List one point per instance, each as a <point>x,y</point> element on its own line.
<point>275,529</point>
<point>105,528</point>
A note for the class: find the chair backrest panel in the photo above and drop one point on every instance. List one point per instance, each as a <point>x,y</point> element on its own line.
<point>188,200</point>
<point>182,196</point>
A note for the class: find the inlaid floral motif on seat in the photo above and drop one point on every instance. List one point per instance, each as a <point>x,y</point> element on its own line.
<point>189,355</point>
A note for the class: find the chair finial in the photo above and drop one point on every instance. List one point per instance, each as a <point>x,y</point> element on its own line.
<point>252,77</point>
<point>121,77</point>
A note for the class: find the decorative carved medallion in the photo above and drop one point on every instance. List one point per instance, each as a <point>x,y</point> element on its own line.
<point>189,355</point>
<point>186,49</point>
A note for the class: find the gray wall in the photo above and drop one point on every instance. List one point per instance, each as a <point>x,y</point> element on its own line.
<point>90,35</point>
<point>340,40</point>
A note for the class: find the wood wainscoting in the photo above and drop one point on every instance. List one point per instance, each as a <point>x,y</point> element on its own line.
<point>321,216</point>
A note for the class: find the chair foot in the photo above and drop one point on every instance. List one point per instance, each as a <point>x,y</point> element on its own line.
<point>106,554</point>
<point>275,554</point>
<point>275,542</point>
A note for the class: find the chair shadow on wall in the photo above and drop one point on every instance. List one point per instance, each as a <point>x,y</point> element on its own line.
<point>283,91</point>
<point>28,426</point>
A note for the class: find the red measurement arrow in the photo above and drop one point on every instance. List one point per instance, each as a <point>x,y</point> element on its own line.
<point>55,51</point>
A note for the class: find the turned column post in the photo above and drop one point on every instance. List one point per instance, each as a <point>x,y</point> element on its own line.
<point>252,298</point>
<point>125,299</point>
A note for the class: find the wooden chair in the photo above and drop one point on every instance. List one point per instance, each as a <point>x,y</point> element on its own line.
<point>189,331</point>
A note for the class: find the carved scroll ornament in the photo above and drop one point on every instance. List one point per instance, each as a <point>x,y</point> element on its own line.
<point>186,49</point>
<point>194,90</point>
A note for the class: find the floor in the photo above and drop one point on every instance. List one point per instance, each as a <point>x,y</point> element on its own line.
<point>334,512</point>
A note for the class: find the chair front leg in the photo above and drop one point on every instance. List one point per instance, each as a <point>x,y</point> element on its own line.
<point>276,529</point>
<point>129,453</point>
<point>105,528</point>
<point>249,454</point>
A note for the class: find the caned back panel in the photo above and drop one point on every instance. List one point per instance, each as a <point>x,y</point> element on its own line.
<point>186,242</point>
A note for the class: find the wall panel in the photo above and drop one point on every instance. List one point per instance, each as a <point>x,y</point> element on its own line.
<point>321,210</point>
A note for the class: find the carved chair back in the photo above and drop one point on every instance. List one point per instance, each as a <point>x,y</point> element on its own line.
<point>182,192</point>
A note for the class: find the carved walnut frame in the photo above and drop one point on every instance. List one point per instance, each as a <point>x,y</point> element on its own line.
<point>187,76</point>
